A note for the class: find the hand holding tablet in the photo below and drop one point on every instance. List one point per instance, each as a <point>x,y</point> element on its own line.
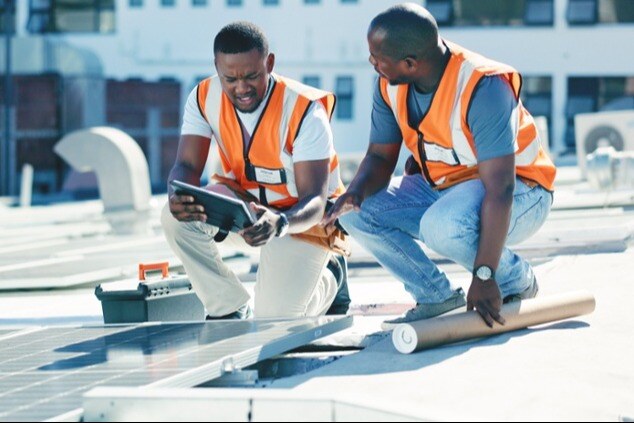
<point>223,209</point>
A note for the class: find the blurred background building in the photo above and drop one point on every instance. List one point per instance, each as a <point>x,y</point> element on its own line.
<point>71,64</point>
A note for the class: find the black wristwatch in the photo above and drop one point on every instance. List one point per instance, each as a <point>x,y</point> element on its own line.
<point>484,273</point>
<point>282,226</point>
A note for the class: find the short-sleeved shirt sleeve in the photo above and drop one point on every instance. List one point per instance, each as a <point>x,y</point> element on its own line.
<point>193,121</point>
<point>385,129</point>
<point>314,140</point>
<point>493,118</point>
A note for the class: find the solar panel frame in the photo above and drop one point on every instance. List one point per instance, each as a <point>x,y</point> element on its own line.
<point>45,371</point>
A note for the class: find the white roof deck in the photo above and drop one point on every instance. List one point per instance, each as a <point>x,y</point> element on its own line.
<point>578,369</point>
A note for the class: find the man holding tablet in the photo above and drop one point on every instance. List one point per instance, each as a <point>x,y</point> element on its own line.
<point>275,144</point>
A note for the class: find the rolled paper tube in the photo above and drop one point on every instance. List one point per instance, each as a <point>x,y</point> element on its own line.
<point>415,336</point>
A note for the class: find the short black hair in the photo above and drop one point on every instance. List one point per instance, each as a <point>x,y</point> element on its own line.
<point>408,28</point>
<point>240,37</point>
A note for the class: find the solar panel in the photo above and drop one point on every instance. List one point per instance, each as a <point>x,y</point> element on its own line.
<point>43,373</point>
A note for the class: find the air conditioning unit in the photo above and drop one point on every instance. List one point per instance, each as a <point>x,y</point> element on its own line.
<point>603,129</point>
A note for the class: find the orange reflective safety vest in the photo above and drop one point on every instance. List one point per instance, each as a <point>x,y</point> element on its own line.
<point>443,144</point>
<point>269,153</point>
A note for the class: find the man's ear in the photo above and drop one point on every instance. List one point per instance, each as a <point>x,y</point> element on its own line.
<point>411,63</point>
<point>270,62</point>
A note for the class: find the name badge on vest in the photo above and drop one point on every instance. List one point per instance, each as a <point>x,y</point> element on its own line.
<point>263,175</point>
<point>436,153</point>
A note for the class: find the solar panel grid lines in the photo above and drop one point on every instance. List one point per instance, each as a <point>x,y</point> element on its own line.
<point>67,399</point>
<point>44,372</point>
<point>33,381</point>
<point>29,346</point>
<point>24,372</point>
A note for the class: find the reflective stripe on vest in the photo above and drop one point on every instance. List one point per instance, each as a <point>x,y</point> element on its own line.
<point>443,143</point>
<point>272,140</point>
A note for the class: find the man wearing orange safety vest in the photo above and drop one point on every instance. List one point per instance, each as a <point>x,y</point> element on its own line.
<point>276,148</point>
<point>478,178</point>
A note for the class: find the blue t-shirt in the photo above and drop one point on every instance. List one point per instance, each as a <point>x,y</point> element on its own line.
<point>492,118</point>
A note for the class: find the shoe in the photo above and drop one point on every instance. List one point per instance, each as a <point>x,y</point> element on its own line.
<point>530,292</point>
<point>426,311</point>
<point>242,313</point>
<point>338,265</point>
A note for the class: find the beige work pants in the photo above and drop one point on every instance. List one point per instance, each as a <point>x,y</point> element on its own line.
<point>292,279</point>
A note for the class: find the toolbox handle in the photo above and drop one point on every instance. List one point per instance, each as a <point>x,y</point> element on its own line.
<point>162,266</point>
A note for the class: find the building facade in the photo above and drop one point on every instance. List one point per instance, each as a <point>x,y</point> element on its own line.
<point>572,53</point>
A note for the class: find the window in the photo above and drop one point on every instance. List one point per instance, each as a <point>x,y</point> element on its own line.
<point>271,2</point>
<point>312,1</point>
<point>618,95</point>
<point>582,95</point>
<point>582,12</point>
<point>576,104</point>
<point>39,16</point>
<point>199,3</point>
<point>539,104</point>
<point>492,12</point>
<point>38,23</point>
<point>136,3</point>
<point>616,11</point>
<point>349,1</point>
<point>168,3</point>
<point>539,12</point>
<point>537,97</point>
<point>345,95</point>
<point>441,10</point>
<point>234,3</point>
<point>3,8</point>
<point>579,104</point>
<point>312,80</point>
<point>488,12</point>
<point>71,16</point>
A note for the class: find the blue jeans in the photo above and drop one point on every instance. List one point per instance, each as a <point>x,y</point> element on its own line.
<point>448,222</point>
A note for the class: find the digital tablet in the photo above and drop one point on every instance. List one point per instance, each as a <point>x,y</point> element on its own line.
<point>223,210</point>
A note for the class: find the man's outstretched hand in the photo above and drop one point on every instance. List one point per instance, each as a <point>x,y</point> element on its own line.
<point>347,202</point>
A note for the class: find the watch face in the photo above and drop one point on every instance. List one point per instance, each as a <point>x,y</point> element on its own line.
<point>484,273</point>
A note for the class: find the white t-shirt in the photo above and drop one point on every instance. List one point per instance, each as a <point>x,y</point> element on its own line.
<point>314,140</point>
